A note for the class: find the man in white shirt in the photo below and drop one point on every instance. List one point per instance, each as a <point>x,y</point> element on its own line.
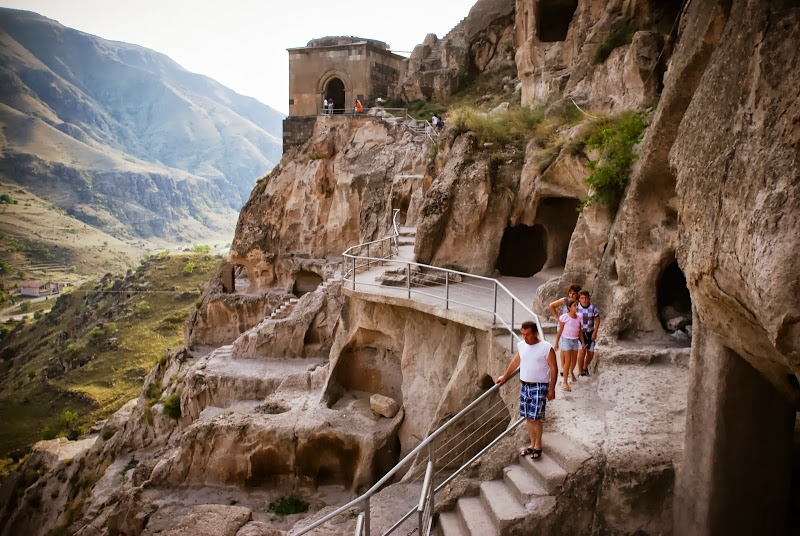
<point>538,372</point>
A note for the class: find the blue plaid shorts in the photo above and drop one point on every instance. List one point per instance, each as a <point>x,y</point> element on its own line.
<point>532,400</point>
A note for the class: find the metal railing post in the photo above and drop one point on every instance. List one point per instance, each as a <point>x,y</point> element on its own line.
<point>366,516</point>
<point>367,257</point>
<point>446,290</point>
<point>494,311</point>
<point>354,273</point>
<point>512,325</point>
<point>408,280</point>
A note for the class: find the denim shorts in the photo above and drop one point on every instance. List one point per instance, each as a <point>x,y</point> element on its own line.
<point>570,344</point>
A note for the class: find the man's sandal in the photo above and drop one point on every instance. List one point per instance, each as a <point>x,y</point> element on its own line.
<point>527,451</point>
<point>536,454</point>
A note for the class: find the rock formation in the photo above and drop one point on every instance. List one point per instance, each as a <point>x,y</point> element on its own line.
<point>301,394</point>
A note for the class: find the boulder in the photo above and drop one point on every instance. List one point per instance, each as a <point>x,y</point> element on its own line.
<point>383,405</point>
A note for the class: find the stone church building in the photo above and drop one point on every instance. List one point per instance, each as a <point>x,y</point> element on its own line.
<point>340,68</point>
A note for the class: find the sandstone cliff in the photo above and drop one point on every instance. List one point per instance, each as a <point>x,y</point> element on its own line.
<point>704,228</point>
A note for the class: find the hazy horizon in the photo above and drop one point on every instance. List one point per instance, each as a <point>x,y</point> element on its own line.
<point>231,47</point>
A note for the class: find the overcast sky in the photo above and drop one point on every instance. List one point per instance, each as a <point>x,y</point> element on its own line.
<point>242,43</point>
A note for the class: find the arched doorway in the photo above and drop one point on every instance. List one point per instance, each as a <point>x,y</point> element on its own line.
<point>523,250</point>
<point>335,90</point>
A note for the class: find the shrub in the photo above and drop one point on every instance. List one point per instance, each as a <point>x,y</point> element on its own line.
<point>67,419</point>
<point>142,307</point>
<point>189,268</point>
<point>31,374</point>
<point>615,139</point>
<point>48,433</point>
<point>96,332</point>
<point>25,306</point>
<point>288,505</point>
<point>37,315</point>
<point>8,199</point>
<point>172,406</point>
<point>153,391</point>
<point>5,268</point>
<point>108,433</point>
<point>201,248</point>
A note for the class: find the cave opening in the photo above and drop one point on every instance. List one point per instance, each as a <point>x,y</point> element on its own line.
<point>241,281</point>
<point>334,90</point>
<point>673,299</point>
<point>305,282</point>
<point>559,216</point>
<point>523,250</point>
<point>553,18</point>
<point>327,460</point>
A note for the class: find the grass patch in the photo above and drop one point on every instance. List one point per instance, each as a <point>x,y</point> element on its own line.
<point>514,126</point>
<point>614,138</point>
<point>172,406</point>
<point>99,388</point>
<point>287,506</point>
<point>130,465</point>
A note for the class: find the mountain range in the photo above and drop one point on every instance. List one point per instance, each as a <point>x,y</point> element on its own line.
<point>122,137</point>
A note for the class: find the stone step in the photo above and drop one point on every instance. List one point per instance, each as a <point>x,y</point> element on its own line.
<point>450,525</point>
<point>566,452</point>
<point>522,484</point>
<point>501,504</point>
<point>476,520</point>
<point>546,470</point>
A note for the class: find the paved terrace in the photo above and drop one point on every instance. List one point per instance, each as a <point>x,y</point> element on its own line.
<point>467,299</point>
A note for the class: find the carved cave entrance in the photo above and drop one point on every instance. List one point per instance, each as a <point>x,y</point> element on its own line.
<point>523,250</point>
<point>305,282</point>
<point>335,90</point>
<point>672,297</point>
<point>241,281</point>
<point>558,215</point>
<point>553,18</point>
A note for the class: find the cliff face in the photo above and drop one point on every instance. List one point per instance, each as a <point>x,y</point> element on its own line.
<point>126,121</point>
<point>706,224</point>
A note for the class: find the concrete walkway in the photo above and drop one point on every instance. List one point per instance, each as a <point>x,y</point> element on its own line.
<point>472,295</point>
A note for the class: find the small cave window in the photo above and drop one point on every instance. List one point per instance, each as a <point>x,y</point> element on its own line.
<point>673,299</point>
<point>335,90</point>
<point>553,18</point>
<point>241,281</point>
<point>305,282</point>
<point>523,250</point>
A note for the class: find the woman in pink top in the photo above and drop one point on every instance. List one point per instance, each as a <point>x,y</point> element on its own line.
<point>570,336</point>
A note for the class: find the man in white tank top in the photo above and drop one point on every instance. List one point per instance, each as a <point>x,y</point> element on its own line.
<point>538,372</point>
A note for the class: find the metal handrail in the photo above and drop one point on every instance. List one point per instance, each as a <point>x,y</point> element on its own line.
<point>498,286</point>
<point>375,111</point>
<point>429,129</point>
<point>409,457</point>
<point>428,441</point>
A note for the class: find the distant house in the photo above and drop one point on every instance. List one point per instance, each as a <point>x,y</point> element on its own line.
<point>38,288</point>
<point>61,285</point>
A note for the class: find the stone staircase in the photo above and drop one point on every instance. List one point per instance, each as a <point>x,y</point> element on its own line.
<point>285,308</point>
<point>526,492</point>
